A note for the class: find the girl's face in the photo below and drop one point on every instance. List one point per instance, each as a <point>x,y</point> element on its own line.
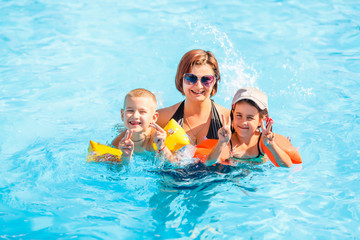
<point>198,91</point>
<point>246,119</point>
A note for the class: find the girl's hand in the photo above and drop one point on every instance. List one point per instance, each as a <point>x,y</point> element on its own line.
<point>268,135</point>
<point>224,133</point>
<point>159,136</point>
<point>126,145</point>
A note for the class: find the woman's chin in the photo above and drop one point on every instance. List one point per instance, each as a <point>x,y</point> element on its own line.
<point>199,96</point>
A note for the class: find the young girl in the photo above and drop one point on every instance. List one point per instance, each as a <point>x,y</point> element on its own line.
<point>243,141</point>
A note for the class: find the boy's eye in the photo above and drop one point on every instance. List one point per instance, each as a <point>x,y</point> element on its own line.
<point>129,110</point>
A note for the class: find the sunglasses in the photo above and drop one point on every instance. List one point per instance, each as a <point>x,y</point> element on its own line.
<point>206,80</point>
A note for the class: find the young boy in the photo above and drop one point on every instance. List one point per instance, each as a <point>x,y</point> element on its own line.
<point>139,116</point>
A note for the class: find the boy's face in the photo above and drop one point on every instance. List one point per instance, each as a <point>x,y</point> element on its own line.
<point>139,112</point>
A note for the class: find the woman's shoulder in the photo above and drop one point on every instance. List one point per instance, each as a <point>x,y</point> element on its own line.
<point>166,113</point>
<point>222,110</point>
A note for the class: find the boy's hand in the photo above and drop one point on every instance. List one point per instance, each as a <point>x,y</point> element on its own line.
<point>126,145</point>
<point>159,136</point>
<point>268,135</point>
<point>224,133</point>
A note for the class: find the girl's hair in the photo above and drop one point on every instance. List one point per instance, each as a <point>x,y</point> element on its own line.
<point>196,57</point>
<point>263,113</point>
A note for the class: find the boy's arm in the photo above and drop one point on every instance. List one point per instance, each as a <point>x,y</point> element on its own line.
<point>159,139</point>
<point>168,155</point>
<point>125,144</point>
<point>116,141</point>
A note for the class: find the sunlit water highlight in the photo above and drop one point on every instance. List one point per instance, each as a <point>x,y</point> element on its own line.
<point>66,66</point>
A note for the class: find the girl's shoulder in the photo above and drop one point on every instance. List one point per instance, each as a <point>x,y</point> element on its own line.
<point>166,113</point>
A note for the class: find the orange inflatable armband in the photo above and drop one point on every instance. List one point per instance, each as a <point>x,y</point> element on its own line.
<point>204,149</point>
<point>286,146</point>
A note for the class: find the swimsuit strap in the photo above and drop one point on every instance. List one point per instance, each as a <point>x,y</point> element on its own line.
<point>179,114</point>
<point>258,147</point>
<point>215,121</point>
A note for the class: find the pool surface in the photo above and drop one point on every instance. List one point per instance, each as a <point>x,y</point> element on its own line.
<point>65,67</point>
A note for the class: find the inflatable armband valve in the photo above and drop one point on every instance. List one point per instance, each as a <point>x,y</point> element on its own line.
<point>176,136</point>
<point>97,149</point>
<point>204,149</point>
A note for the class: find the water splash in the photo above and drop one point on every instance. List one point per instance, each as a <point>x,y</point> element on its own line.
<point>235,72</point>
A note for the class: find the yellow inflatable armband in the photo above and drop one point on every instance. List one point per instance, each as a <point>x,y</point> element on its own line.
<point>97,149</point>
<point>176,136</point>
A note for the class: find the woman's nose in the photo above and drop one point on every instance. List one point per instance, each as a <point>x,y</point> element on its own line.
<point>198,83</point>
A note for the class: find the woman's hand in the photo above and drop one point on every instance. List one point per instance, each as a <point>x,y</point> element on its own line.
<point>159,136</point>
<point>126,145</point>
<point>268,135</point>
<point>224,133</point>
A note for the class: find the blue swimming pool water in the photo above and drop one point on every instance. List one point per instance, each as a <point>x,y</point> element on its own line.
<point>66,66</point>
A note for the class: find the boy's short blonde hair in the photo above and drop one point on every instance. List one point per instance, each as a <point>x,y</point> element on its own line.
<point>141,92</point>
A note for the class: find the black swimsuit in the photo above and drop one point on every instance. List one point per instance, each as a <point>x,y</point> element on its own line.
<point>215,122</point>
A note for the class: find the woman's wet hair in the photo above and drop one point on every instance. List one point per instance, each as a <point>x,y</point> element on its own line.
<point>196,57</point>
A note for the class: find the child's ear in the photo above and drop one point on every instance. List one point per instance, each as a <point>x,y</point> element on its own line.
<point>155,116</point>
<point>122,115</point>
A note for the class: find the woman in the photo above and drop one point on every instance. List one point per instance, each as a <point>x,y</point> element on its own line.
<point>197,79</point>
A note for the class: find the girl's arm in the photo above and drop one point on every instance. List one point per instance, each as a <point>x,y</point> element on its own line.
<point>215,154</point>
<point>273,149</point>
<point>224,134</point>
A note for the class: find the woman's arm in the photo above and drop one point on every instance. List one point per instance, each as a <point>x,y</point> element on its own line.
<point>223,111</point>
